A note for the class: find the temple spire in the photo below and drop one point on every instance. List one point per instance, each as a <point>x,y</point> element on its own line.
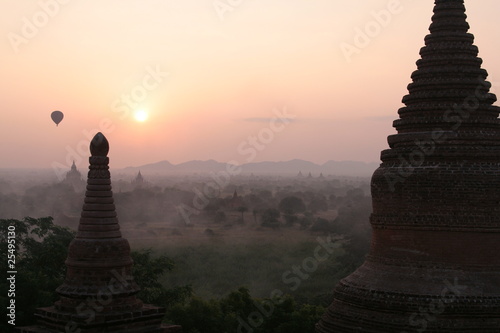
<point>436,217</point>
<point>98,293</point>
<point>449,91</point>
<point>449,16</point>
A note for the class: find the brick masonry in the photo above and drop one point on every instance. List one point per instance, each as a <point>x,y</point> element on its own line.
<point>433,264</point>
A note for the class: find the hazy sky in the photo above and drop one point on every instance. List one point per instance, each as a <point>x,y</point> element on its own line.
<point>212,76</point>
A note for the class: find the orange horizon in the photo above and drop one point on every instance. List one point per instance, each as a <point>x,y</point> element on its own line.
<point>210,81</point>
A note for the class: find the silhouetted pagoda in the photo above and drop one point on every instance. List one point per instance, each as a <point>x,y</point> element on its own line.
<point>74,178</point>
<point>235,201</point>
<point>98,294</point>
<point>433,264</point>
<point>138,181</point>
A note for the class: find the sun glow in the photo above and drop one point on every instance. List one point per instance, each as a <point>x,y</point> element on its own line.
<point>141,116</point>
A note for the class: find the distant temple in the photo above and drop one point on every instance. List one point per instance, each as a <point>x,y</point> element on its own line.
<point>433,264</point>
<point>99,292</point>
<point>138,181</point>
<point>74,178</point>
<point>235,201</point>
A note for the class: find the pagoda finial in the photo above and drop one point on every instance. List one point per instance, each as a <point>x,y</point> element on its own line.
<point>99,146</point>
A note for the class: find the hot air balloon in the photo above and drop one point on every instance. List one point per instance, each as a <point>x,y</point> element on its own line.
<point>57,117</point>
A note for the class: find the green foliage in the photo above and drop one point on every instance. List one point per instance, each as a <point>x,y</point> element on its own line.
<point>353,221</point>
<point>147,271</point>
<point>242,210</point>
<point>306,220</point>
<point>270,218</point>
<point>213,269</point>
<point>41,248</point>
<point>239,312</point>
<point>318,204</point>
<point>292,205</point>
<point>322,225</point>
<point>220,217</point>
<point>290,220</point>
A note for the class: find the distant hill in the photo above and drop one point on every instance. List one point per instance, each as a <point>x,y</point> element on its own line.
<point>293,167</point>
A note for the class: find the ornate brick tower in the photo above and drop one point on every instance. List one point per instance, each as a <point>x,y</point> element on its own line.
<point>98,294</point>
<point>434,263</point>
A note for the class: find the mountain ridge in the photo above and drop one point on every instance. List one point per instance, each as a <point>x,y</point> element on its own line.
<point>291,167</point>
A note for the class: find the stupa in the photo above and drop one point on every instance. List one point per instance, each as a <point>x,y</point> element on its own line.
<point>138,181</point>
<point>433,265</point>
<point>74,178</point>
<point>99,291</point>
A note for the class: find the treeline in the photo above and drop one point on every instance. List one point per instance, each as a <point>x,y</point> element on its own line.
<point>268,202</point>
<point>262,263</point>
<point>41,248</point>
<point>196,296</point>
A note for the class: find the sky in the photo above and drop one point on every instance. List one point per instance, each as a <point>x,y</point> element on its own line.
<point>231,80</point>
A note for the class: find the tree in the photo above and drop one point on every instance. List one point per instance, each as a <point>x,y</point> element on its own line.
<point>318,203</point>
<point>292,205</point>
<point>41,249</point>
<point>266,195</point>
<point>322,225</point>
<point>290,219</point>
<point>270,218</point>
<point>306,220</point>
<point>242,210</point>
<point>220,217</point>
<point>147,272</point>
<point>238,312</point>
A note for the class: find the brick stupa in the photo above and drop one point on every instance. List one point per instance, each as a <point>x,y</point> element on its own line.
<point>434,263</point>
<point>98,294</point>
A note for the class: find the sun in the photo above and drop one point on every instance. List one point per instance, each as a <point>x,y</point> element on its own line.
<point>141,116</point>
